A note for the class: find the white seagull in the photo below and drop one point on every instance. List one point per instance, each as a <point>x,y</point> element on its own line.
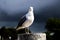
<point>27,20</point>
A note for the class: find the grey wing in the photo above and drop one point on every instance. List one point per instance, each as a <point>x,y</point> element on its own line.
<point>22,20</point>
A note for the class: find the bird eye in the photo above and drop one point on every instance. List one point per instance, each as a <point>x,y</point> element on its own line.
<point>29,9</point>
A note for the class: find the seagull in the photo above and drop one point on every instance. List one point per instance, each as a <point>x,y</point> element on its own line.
<point>26,20</point>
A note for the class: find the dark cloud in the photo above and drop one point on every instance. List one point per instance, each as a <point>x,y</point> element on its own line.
<point>12,10</point>
<point>43,9</point>
<point>4,16</point>
<point>40,15</point>
<point>48,12</point>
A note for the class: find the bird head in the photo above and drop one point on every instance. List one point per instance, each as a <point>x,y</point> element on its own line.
<point>31,8</point>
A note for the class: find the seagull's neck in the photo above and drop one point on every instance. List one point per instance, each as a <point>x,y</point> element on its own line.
<point>30,13</point>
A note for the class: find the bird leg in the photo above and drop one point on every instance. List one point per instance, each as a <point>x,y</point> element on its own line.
<point>27,30</point>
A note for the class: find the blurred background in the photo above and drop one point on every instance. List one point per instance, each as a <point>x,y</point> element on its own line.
<point>12,10</point>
